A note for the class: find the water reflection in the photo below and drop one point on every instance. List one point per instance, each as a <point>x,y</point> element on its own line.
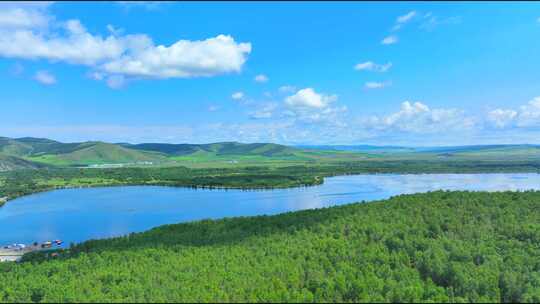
<point>75,215</point>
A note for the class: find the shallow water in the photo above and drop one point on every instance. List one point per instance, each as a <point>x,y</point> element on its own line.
<point>75,215</point>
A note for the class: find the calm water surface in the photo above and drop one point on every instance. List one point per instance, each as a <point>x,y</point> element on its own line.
<point>75,215</point>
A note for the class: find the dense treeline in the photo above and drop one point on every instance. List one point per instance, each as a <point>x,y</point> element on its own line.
<point>438,247</point>
<point>21,182</point>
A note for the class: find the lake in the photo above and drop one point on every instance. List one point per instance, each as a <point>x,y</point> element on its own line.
<point>75,215</point>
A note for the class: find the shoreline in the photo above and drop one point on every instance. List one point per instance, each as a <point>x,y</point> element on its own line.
<point>317,180</point>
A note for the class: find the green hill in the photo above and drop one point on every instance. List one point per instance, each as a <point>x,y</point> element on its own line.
<point>50,152</point>
<point>501,152</point>
<point>12,147</point>
<point>8,163</point>
<point>29,146</point>
<point>434,247</point>
<point>224,148</point>
<point>234,154</point>
<point>95,153</point>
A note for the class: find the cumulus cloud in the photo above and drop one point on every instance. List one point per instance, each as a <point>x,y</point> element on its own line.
<point>308,98</point>
<point>261,78</point>
<point>417,117</point>
<point>30,33</point>
<point>237,96</point>
<point>501,118</point>
<point>45,78</point>
<point>390,40</point>
<point>19,18</point>
<point>529,114</point>
<point>308,106</point>
<point>373,67</point>
<point>76,46</point>
<point>183,59</point>
<point>370,85</point>
<point>525,116</point>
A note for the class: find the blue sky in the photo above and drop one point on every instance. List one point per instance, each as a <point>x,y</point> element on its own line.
<point>410,73</point>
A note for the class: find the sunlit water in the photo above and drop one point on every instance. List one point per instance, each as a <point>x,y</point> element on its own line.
<point>75,215</point>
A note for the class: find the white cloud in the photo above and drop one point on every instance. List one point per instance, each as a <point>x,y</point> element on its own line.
<point>45,78</point>
<point>75,47</point>
<point>96,75</point>
<point>114,31</point>
<point>237,96</point>
<point>328,116</point>
<point>183,59</point>
<point>261,78</point>
<point>527,115</point>
<point>287,89</point>
<point>419,118</point>
<point>390,40</point>
<point>431,21</point>
<point>371,66</point>
<point>402,20</point>
<point>29,33</point>
<point>406,18</point>
<point>308,98</point>
<point>501,118</point>
<point>308,106</point>
<point>16,18</point>
<point>376,85</point>
<point>267,111</point>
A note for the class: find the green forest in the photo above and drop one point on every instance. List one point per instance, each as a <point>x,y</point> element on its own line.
<point>434,247</point>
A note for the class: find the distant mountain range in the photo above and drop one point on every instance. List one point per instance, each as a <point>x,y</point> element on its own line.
<point>223,148</point>
<point>28,152</point>
<point>17,153</point>
<point>403,149</point>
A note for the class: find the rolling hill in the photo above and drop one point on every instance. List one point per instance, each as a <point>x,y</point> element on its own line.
<point>30,152</point>
<point>8,163</point>
<point>95,153</point>
<point>223,148</point>
<point>35,152</point>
